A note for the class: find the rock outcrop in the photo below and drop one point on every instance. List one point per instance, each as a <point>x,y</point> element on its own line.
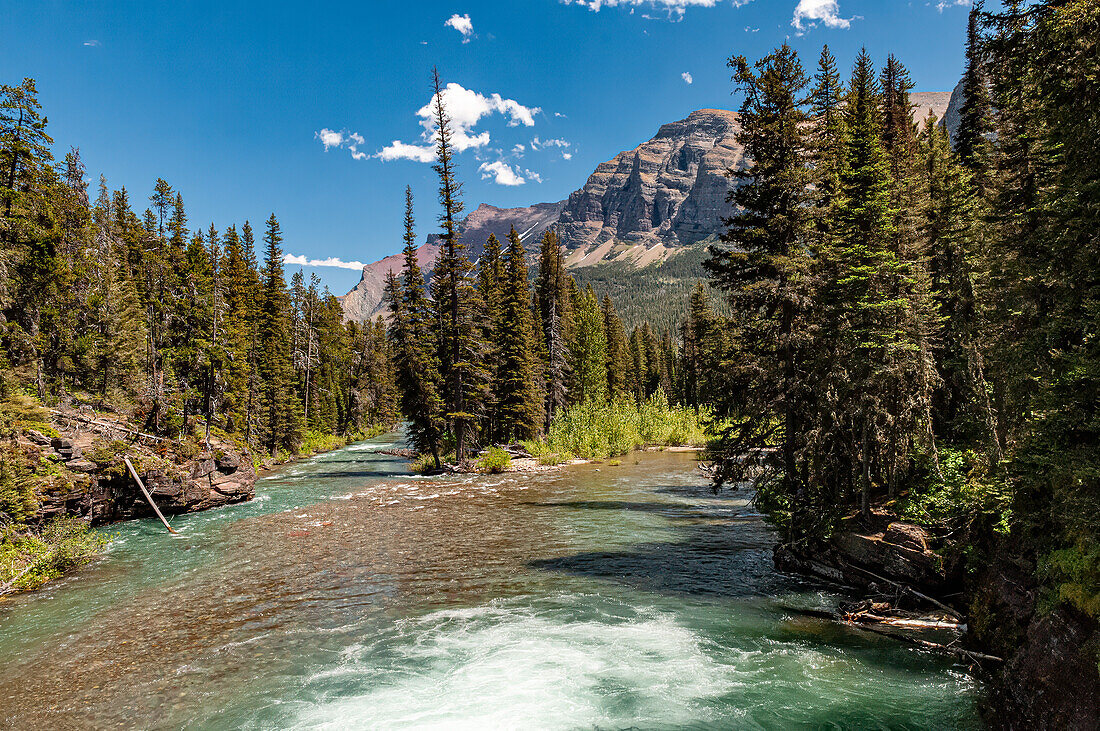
<point>93,482</point>
<point>666,193</point>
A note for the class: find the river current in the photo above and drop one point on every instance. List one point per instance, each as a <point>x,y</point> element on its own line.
<point>351,594</point>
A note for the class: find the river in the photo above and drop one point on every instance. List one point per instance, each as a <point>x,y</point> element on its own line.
<point>351,594</point>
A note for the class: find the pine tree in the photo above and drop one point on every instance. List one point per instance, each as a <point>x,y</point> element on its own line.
<point>588,350</point>
<point>826,139</point>
<point>974,116</point>
<point>280,425</point>
<point>766,269</point>
<point>414,349</point>
<point>552,305</point>
<point>455,298</point>
<point>519,413</point>
<point>618,350</point>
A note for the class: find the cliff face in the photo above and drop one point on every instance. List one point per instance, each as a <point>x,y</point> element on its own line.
<point>665,193</point>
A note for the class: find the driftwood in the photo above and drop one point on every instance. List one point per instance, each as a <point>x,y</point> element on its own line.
<point>9,587</point>
<point>107,425</point>
<point>905,622</point>
<point>957,651</point>
<point>147,495</point>
<point>906,588</point>
<point>926,644</point>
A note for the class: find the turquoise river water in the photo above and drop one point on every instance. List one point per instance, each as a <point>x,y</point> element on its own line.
<point>350,594</point>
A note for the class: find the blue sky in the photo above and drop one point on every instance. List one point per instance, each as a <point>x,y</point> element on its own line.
<point>233,102</point>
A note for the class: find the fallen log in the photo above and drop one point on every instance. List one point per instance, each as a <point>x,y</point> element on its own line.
<point>148,496</point>
<point>907,588</point>
<point>957,651</point>
<point>905,622</point>
<point>107,425</point>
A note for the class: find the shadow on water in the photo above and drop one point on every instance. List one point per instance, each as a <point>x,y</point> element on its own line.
<point>721,553</point>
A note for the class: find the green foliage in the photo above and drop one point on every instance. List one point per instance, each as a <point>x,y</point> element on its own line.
<point>64,543</point>
<point>1073,576</point>
<point>595,429</point>
<point>966,491</point>
<point>494,461</point>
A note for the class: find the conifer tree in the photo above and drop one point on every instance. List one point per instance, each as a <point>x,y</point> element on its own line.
<point>519,396</point>
<point>455,298</point>
<point>970,141</point>
<point>766,269</point>
<point>414,349</point>
<point>280,425</point>
<point>588,350</point>
<point>618,350</point>
<point>552,307</point>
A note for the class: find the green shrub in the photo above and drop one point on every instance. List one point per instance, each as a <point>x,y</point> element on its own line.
<point>1074,575</point>
<point>596,429</point>
<point>32,559</point>
<point>494,461</point>
<point>965,491</point>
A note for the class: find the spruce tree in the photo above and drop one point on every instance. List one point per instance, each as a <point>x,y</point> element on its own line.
<point>519,396</point>
<point>618,350</point>
<point>455,298</point>
<point>280,423</point>
<point>415,352</point>
<point>970,141</point>
<point>766,267</point>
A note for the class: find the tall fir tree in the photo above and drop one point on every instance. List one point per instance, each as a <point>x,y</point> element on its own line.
<point>280,422</point>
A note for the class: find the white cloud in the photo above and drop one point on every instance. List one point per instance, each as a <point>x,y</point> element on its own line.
<point>462,24</point>
<point>93,43</point>
<point>686,76</point>
<point>809,13</point>
<point>342,140</point>
<point>567,155</point>
<point>465,108</point>
<point>501,173</point>
<point>944,4</point>
<point>519,149</point>
<point>674,7</point>
<point>531,174</point>
<point>399,150</point>
<point>537,144</point>
<point>332,261</point>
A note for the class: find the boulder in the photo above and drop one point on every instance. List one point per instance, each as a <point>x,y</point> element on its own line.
<point>907,535</point>
<point>37,437</point>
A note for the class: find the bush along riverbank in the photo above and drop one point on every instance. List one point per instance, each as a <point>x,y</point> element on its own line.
<point>588,431</point>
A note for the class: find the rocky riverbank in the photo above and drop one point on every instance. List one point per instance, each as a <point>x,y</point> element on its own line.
<point>1039,663</point>
<point>94,483</point>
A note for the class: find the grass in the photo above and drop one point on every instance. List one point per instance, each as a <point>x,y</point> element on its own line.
<point>595,430</point>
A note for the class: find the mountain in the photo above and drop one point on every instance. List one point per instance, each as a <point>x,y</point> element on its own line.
<point>645,206</point>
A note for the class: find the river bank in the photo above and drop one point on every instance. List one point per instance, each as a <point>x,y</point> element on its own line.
<point>1038,662</point>
<point>77,477</point>
<point>352,592</point>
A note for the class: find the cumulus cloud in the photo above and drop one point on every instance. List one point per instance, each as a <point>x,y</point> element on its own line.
<point>462,24</point>
<point>809,13</point>
<point>944,4</point>
<point>465,108</point>
<point>686,76</point>
<point>674,7</point>
<point>501,173</point>
<point>567,155</point>
<point>332,261</point>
